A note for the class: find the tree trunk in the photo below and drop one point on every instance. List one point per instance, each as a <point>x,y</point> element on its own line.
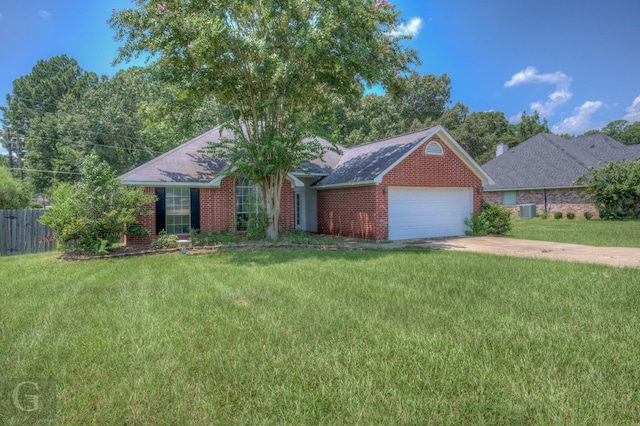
<point>271,193</point>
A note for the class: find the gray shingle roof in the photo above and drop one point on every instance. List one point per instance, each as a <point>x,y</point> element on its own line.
<point>549,161</point>
<point>363,163</point>
<point>352,166</point>
<point>185,164</point>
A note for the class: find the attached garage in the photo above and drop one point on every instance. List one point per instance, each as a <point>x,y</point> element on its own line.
<point>428,212</point>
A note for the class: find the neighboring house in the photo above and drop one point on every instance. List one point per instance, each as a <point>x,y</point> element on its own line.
<point>542,171</point>
<point>421,184</point>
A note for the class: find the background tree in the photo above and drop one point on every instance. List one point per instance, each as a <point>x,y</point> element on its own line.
<point>14,195</point>
<point>529,126</point>
<point>276,66</point>
<point>31,109</point>
<point>623,131</point>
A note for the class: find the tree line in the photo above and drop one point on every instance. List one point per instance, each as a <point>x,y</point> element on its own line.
<point>62,113</point>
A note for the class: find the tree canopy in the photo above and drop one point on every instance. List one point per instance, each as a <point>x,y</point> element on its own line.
<point>276,66</point>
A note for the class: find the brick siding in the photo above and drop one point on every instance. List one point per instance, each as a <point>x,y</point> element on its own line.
<point>558,200</point>
<point>218,211</point>
<point>363,212</point>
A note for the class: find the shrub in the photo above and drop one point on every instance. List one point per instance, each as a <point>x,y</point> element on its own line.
<point>211,239</point>
<point>557,215</point>
<point>164,241</point>
<point>588,215</point>
<point>606,214</point>
<point>571,215</point>
<point>91,215</point>
<point>491,219</point>
<point>14,195</point>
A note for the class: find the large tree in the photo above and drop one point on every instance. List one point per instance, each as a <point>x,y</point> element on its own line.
<point>275,65</point>
<point>31,112</point>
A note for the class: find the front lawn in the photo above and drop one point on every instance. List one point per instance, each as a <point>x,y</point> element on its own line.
<point>601,233</point>
<point>333,337</point>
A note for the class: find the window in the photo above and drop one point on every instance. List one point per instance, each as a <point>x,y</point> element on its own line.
<point>433,148</point>
<point>178,214</point>
<point>509,198</point>
<point>246,202</point>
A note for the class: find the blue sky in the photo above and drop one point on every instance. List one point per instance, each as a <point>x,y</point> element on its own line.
<point>576,62</point>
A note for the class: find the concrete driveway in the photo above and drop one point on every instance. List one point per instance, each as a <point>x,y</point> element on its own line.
<point>613,256</point>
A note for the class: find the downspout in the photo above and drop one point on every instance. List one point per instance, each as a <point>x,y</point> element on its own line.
<point>545,200</point>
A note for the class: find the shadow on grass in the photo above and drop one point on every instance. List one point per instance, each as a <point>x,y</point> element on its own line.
<point>275,255</point>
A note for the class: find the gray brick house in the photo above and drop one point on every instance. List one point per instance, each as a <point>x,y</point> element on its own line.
<point>542,171</point>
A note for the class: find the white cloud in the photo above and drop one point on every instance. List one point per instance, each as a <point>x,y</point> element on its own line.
<point>411,29</point>
<point>560,96</point>
<point>43,13</point>
<point>580,121</point>
<point>633,112</point>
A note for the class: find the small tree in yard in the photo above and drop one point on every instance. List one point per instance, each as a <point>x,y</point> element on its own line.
<point>91,215</point>
<point>276,66</point>
<point>14,194</point>
<point>614,188</point>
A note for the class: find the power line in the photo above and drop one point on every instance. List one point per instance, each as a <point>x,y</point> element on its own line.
<point>45,171</point>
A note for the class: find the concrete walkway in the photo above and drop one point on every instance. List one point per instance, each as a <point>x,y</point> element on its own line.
<point>612,256</point>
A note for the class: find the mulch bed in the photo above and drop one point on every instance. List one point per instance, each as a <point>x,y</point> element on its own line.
<point>121,252</point>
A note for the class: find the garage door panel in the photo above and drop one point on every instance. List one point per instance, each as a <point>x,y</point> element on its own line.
<point>428,212</point>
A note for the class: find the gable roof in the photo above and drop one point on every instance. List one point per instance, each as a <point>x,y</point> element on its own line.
<point>550,161</point>
<point>360,165</point>
<point>367,164</point>
<point>185,165</point>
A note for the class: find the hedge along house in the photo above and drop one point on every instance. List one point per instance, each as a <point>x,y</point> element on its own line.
<point>542,170</point>
<point>417,185</point>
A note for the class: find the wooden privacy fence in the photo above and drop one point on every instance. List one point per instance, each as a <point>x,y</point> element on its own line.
<point>21,233</point>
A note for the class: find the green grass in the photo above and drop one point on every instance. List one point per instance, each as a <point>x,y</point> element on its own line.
<point>601,233</point>
<point>332,337</point>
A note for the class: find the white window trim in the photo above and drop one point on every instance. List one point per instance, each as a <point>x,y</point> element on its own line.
<point>167,209</point>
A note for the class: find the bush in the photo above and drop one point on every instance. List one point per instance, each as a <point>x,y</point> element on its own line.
<point>571,215</point>
<point>91,216</point>
<point>14,195</point>
<point>164,241</point>
<point>588,215</point>
<point>557,215</point>
<point>212,238</point>
<point>491,219</point>
<point>606,214</point>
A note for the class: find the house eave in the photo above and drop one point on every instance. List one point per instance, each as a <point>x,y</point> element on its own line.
<point>534,188</point>
<point>347,184</point>
<point>160,184</point>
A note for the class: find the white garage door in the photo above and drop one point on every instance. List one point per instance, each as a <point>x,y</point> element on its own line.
<point>428,212</point>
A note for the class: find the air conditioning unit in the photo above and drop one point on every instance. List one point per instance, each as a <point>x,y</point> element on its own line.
<point>527,210</point>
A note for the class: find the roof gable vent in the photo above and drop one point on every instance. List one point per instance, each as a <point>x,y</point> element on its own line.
<point>433,148</point>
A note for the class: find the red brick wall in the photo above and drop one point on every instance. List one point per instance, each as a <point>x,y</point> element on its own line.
<point>287,212</point>
<point>218,207</point>
<point>558,200</point>
<point>349,212</point>
<point>444,171</point>
<point>363,212</point>
<point>147,222</point>
<point>218,210</point>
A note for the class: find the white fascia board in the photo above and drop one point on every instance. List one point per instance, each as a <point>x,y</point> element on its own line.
<point>465,157</point>
<point>347,184</point>
<point>295,182</point>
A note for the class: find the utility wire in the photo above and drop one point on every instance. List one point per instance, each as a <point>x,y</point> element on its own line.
<point>45,171</point>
